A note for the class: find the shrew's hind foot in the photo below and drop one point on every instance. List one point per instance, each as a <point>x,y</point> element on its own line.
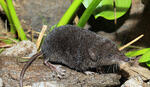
<point>56,68</point>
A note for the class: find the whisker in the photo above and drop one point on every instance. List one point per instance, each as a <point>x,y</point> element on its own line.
<point>116,67</point>
<point>113,68</point>
<point>108,69</point>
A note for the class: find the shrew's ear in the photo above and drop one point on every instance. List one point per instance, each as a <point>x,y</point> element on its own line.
<point>92,55</point>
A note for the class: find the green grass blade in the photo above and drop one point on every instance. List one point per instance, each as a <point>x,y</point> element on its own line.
<point>15,20</point>
<point>5,8</point>
<point>145,57</point>
<point>88,12</point>
<point>137,52</point>
<point>69,13</point>
<point>54,26</point>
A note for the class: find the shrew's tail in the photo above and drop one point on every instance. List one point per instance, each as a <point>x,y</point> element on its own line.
<point>34,57</point>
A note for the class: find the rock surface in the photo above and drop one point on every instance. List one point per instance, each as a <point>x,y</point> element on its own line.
<point>21,49</point>
<point>133,68</point>
<point>135,81</point>
<point>10,69</point>
<point>138,76</point>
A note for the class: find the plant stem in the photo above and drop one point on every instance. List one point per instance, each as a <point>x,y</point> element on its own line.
<point>15,20</point>
<point>70,12</point>
<point>88,12</point>
<point>4,6</point>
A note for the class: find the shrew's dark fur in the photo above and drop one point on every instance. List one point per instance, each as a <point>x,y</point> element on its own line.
<point>78,49</point>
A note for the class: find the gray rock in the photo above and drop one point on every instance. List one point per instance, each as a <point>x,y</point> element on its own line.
<point>135,81</point>
<point>21,49</point>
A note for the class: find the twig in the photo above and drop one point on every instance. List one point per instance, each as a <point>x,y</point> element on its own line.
<point>25,57</point>
<point>133,41</point>
<point>12,40</point>
<point>137,47</point>
<point>38,42</point>
<point>34,32</point>
<point>76,20</point>
<point>6,37</point>
<point>6,46</point>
